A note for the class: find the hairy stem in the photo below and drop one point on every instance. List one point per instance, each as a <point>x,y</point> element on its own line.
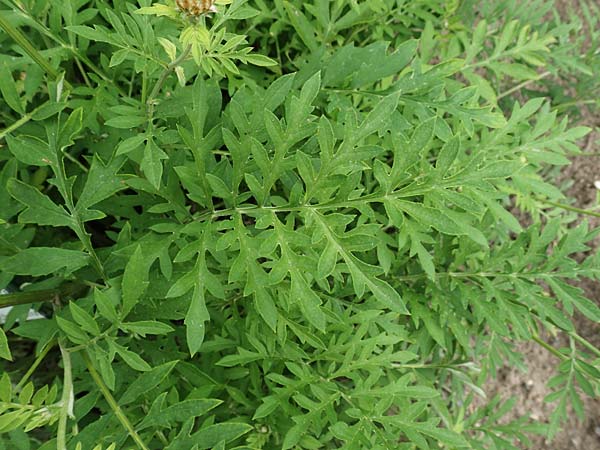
<point>585,343</point>
<point>24,298</point>
<point>520,86</point>
<point>548,347</point>
<point>161,81</point>
<point>36,363</point>
<point>80,231</point>
<point>79,57</point>
<point>67,399</point>
<point>112,402</point>
<point>24,43</point>
<point>586,212</point>
<point>22,121</point>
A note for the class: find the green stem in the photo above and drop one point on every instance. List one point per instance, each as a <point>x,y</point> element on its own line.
<point>28,297</point>
<point>22,121</point>
<point>84,237</point>
<point>157,433</point>
<point>576,103</point>
<point>75,161</point>
<point>585,343</point>
<point>67,399</point>
<point>86,79</point>
<point>491,59</point>
<point>163,77</point>
<point>79,57</point>
<point>35,364</point>
<point>549,348</point>
<point>145,83</point>
<point>24,43</point>
<point>80,230</point>
<point>95,339</point>
<point>24,298</point>
<point>112,402</point>
<point>520,86</point>
<point>571,208</point>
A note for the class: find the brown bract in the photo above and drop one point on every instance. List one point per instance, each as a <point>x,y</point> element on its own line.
<point>196,7</point>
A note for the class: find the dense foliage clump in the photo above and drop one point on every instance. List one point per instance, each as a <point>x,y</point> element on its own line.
<point>287,224</point>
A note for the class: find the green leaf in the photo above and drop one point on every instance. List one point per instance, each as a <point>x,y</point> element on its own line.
<point>26,393</point>
<point>92,34</point>
<point>260,60</point>
<point>39,261</point>
<point>40,209</point>
<point>104,361</point>
<point>5,354</point>
<point>135,280</point>
<point>132,359</point>
<point>243,357</point>
<point>126,122</point>
<point>430,217</point>
<point>31,150</point>
<point>361,66</point>
<point>145,327</point>
<point>277,92</point>
<point>9,90</point>
<point>302,26</point>
<point>70,129</point>
<point>311,89</point>
<point>146,382</point>
<point>152,163</point>
<point>569,295</point>
<point>210,436</point>
<point>5,386</point>
<point>293,436</point>
<point>179,412</point>
<point>130,144</point>
<point>268,407</point>
<point>102,182</point>
<point>84,319</point>
<point>73,332</point>
<point>401,390</point>
<point>378,118</point>
<point>447,156</point>
<point>444,436</point>
<point>158,10</point>
<point>105,306</point>
<point>265,306</point>
<point>13,420</point>
<point>219,188</point>
<point>431,323</point>
<point>387,295</point>
<point>195,321</point>
<point>308,301</point>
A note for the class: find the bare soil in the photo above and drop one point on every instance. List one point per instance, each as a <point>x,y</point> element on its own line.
<point>530,387</point>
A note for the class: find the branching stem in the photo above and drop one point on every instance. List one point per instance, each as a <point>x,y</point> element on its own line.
<point>67,400</point>
<point>24,43</point>
<point>35,364</point>
<point>586,212</point>
<point>112,402</point>
<point>25,118</point>
<point>24,298</point>
<point>548,347</point>
<point>150,102</point>
<point>520,86</point>
<point>585,343</point>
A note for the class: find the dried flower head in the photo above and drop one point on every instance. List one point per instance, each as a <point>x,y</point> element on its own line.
<point>196,8</point>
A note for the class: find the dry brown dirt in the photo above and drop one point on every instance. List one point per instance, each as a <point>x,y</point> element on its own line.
<point>530,387</point>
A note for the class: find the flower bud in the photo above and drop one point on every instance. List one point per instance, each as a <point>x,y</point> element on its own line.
<point>196,8</point>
